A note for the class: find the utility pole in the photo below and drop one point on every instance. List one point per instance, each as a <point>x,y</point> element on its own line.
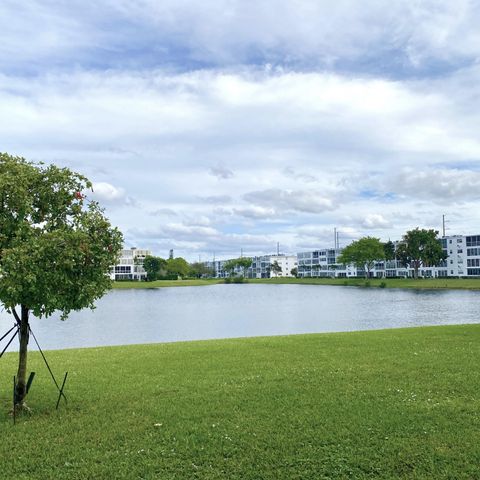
<point>241,253</point>
<point>278,249</point>
<point>443,224</point>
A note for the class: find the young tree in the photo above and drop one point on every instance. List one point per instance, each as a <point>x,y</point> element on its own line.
<point>56,248</point>
<point>294,271</point>
<point>420,247</point>
<point>363,253</point>
<point>275,268</point>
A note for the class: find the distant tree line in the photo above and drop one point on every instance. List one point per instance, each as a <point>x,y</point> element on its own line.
<point>158,268</point>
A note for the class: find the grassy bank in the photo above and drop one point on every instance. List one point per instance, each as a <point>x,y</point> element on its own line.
<point>385,404</point>
<point>427,283</point>
<point>433,283</point>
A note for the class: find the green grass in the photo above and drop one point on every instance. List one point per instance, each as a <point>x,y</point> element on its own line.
<point>448,283</point>
<point>385,404</point>
<point>434,283</point>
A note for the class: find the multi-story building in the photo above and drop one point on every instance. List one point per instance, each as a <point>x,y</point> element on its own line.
<point>463,260</point>
<point>261,267</point>
<point>323,263</point>
<point>130,265</point>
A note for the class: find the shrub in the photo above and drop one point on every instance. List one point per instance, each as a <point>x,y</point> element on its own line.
<point>383,284</point>
<point>239,280</point>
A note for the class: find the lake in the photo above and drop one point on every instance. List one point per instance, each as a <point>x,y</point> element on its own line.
<point>227,311</point>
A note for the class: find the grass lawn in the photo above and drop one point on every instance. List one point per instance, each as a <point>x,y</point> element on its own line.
<point>448,283</point>
<point>383,404</point>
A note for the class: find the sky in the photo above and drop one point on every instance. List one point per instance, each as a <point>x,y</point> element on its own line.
<point>221,127</point>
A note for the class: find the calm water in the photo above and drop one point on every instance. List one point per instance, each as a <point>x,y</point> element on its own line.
<point>223,311</point>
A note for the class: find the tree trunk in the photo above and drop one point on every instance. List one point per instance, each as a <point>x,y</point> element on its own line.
<point>21,386</point>
<point>416,267</point>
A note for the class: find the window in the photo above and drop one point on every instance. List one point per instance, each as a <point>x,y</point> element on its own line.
<point>473,241</point>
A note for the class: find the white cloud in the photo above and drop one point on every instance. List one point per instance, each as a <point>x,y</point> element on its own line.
<point>107,193</point>
<point>375,221</point>
<point>440,184</point>
<point>288,124</point>
<point>307,201</point>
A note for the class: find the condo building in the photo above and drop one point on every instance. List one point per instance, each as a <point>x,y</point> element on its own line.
<point>130,265</point>
<point>262,267</point>
<point>463,260</point>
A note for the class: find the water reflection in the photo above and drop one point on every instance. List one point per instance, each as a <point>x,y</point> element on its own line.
<point>224,311</point>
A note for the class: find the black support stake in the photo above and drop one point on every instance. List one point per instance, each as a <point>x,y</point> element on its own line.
<point>9,342</point>
<point>61,391</point>
<point>30,380</point>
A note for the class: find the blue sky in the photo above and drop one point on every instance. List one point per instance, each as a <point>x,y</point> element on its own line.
<point>218,126</point>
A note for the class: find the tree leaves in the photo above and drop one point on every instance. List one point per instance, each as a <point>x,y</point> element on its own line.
<point>56,247</point>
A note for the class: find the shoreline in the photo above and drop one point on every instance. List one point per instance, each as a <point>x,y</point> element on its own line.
<point>408,283</point>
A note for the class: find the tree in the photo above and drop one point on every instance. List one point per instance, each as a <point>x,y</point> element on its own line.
<point>363,253</point>
<point>177,266</point>
<point>389,250</point>
<point>244,263</point>
<point>229,266</point>
<point>420,247</point>
<point>199,270</point>
<point>56,248</point>
<point>294,271</point>
<point>154,267</point>
<point>275,268</point>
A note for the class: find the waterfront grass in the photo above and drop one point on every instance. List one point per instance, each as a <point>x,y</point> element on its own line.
<point>421,283</point>
<point>379,404</point>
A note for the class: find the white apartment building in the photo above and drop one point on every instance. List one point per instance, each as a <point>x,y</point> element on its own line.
<point>130,265</point>
<point>261,267</point>
<point>463,261</point>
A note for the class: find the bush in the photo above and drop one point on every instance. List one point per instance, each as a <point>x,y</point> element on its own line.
<point>239,280</point>
<point>383,284</point>
<point>367,283</point>
<point>228,280</point>
<point>167,277</point>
